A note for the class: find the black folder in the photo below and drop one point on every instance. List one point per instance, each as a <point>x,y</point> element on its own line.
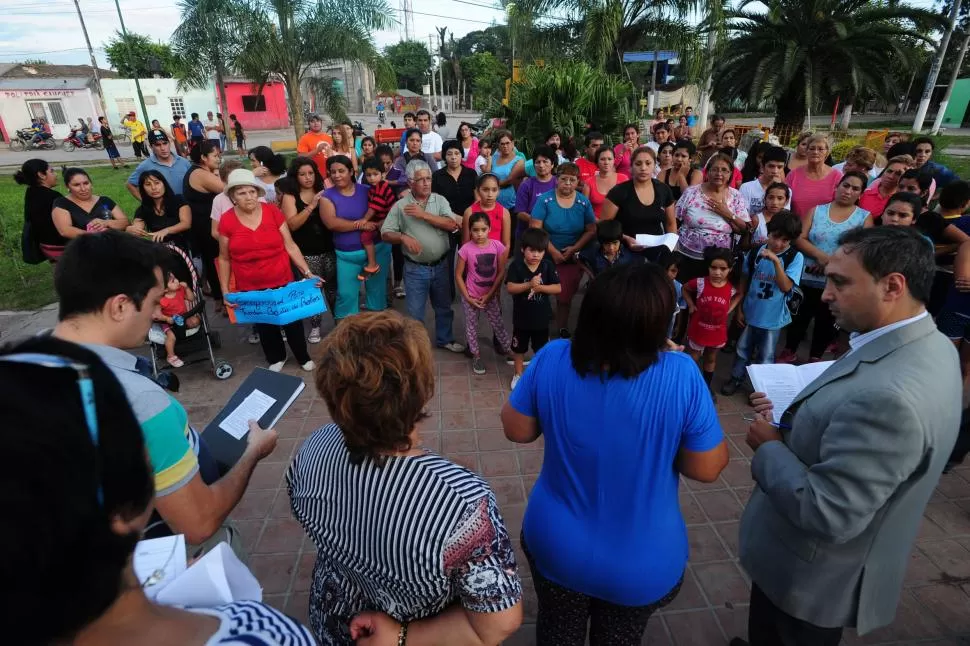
<point>225,448</point>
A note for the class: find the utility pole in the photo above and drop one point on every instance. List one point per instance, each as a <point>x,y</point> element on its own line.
<point>949,88</point>
<point>434,100</point>
<point>141,99</point>
<point>94,62</point>
<point>708,80</point>
<point>652,102</point>
<point>924,104</point>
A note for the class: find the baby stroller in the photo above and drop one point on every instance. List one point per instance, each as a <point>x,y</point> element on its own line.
<point>191,341</point>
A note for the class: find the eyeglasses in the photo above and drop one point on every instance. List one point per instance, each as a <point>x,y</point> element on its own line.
<point>84,385</point>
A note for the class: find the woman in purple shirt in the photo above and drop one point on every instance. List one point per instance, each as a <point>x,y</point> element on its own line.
<point>343,208</point>
<point>545,161</point>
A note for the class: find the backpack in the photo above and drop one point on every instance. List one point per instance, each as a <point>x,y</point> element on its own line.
<point>795,297</point>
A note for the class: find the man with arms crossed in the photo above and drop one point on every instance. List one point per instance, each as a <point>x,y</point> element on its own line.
<point>827,533</point>
<point>108,285</point>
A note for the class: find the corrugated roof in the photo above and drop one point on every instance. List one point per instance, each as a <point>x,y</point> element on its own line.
<point>44,84</point>
<point>54,71</point>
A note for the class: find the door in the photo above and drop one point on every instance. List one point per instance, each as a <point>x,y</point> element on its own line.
<point>53,113</point>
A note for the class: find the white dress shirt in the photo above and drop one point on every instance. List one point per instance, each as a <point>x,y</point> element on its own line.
<point>857,340</point>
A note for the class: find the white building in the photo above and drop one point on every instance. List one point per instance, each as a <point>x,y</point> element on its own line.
<point>163,99</point>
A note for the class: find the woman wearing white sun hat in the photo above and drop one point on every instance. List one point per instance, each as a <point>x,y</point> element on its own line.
<point>256,247</point>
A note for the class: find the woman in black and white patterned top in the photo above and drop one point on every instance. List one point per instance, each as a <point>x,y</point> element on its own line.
<point>407,542</point>
<point>76,496</point>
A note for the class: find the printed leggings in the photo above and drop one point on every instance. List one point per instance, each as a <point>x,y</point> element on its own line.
<point>324,266</point>
<point>494,315</point>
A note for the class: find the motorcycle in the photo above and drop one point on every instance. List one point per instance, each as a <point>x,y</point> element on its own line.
<point>380,118</point>
<point>74,140</point>
<point>23,140</point>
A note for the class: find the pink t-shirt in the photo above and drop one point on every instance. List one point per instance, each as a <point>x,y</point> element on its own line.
<point>481,265</point>
<point>809,193</point>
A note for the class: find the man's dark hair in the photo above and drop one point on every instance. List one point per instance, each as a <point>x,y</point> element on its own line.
<point>924,179</point>
<point>195,115</point>
<point>785,224</point>
<point>383,149</point>
<point>98,266</point>
<point>533,238</point>
<point>623,321</point>
<point>592,136</point>
<point>779,185</point>
<point>372,164</point>
<point>608,231</point>
<point>717,117</point>
<point>422,111</point>
<point>887,250</point>
<point>687,145</point>
<point>955,195</point>
<point>718,253</point>
<point>901,148</point>
<point>924,140</point>
<point>409,115</point>
<point>912,199</point>
<point>690,107</point>
<point>50,488</point>
<point>775,154</point>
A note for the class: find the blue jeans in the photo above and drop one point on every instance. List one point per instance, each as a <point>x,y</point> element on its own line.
<point>420,282</point>
<point>754,341</point>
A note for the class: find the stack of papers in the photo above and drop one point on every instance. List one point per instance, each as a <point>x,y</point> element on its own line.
<point>782,382</point>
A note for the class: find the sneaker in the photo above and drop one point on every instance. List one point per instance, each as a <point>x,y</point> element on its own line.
<point>314,336</point>
<point>786,356</point>
<point>510,361</point>
<point>478,366</point>
<point>399,291</point>
<point>564,333</point>
<point>308,366</point>
<point>457,348</point>
<point>175,362</point>
<point>515,380</point>
<point>276,367</point>
<point>730,386</point>
<point>253,338</point>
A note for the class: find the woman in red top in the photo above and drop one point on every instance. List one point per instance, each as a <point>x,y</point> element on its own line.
<point>710,302</point>
<point>606,178</point>
<point>256,247</point>
<point>875,198</point>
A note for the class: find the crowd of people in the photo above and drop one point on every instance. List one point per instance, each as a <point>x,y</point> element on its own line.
<point>872,257</point>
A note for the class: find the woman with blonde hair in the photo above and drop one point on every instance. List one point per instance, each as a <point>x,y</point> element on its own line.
<point>799,156</point>
<point>813,182</point>
<point>343,144</point>
<point>408,543</point>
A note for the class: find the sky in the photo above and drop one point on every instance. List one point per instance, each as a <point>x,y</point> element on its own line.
<point>51,30</point>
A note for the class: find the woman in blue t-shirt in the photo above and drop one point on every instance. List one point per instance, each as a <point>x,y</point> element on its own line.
<point>622,420</point>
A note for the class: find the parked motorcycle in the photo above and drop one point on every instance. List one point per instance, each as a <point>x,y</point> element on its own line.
<point>74,140</point>
<point>23,140</point>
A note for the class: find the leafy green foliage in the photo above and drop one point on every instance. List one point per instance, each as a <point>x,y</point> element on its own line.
<point>486,76</point>
<point>411,61</point>
<point>137,56</point>
<point>34,61</point>
<point>566,96</point>
<point>803,51</point>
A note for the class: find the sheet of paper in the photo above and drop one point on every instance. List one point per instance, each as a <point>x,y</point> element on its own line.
<point>159,561</point>
<point>218,577</point>
<point>811,371</point>
<point>779,382</point>
<point>668,240</point>
<point>254,407</point>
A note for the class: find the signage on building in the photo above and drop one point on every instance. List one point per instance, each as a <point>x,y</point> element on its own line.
<point>32,94</point>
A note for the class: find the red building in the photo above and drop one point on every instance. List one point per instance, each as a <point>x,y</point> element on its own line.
<point>265,111</point>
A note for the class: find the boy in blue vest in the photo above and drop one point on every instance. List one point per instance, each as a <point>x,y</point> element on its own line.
<point>771,275</point>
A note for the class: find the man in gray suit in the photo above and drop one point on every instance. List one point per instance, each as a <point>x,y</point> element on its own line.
<point>844,478</point>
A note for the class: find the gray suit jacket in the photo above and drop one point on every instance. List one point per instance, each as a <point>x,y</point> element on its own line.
<point>828,530</point>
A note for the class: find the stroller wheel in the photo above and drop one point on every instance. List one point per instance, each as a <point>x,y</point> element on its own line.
<point>223,370</point>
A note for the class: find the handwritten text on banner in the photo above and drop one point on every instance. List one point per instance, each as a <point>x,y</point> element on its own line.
<point>280,306</point>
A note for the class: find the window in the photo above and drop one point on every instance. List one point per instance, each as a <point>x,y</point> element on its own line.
<point>125,105</point>
<point>151,100</point>
<point>52,111</point>
<point>254,103</point>
<point>178,106</point>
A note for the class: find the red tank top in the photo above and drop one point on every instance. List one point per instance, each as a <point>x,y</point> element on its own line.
<point>495,217</point>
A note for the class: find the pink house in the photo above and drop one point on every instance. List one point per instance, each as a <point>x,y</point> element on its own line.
<point>265,111</point>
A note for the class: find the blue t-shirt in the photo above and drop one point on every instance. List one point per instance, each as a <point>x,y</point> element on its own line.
<point>196,128</point>
<point>174,174</point>
<point>603,518</point>
<point>765,304</point>
<point>565,226</point>
<point>692,120</point>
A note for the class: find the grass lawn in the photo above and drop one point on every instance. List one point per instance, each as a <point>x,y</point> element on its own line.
<point>26,287</point>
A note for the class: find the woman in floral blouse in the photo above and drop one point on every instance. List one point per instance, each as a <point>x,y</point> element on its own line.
<point>711,214</point>
<point>408,543</point>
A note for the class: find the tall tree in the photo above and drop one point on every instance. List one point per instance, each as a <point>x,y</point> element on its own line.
<point>486,74</point>
<point>292,38</point>
<point>137,56</point>
<point>411,61</point>
<point>803,51</point>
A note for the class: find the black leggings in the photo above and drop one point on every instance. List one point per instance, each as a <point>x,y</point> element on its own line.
<point>564,614</point>
<point>271,341</point>
<point>207,248</point>
<point>824,332</point>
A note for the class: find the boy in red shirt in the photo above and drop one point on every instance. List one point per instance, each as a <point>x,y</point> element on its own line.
<point>380,199</point>
<point>710,302</point>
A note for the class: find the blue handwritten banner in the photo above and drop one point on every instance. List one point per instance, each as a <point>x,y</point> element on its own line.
<point>279,306</point>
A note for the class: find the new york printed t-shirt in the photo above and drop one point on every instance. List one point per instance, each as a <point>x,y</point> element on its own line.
<point>531,310</point>
<point>709,324</point>
<point>765,305</point>
<point>607,494</point>
<point>482,265</point>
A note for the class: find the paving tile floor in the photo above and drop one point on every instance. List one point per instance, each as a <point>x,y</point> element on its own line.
<point>464,426</point>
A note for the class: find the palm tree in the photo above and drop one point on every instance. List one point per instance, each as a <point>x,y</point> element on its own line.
<point>803,51</point>
<point>290,38</point>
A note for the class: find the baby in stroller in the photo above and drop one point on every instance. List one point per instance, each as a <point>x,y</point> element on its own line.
<point>175,302</point>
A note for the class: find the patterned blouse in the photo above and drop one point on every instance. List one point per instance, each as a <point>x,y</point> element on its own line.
<point>408,538</point>
<point>700,227</point>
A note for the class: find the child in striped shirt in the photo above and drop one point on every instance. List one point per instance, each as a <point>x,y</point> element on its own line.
<point>379,202</point>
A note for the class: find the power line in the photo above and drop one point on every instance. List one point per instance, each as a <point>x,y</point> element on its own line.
<point>53,51</point>
<point>434,15</point>
<point>494,8</point>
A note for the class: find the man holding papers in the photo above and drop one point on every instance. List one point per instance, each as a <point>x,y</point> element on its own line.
<point>108,285</point>
<point>844,476</point>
